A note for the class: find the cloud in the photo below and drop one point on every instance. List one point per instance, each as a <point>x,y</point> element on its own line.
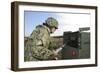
<point>71,22</point>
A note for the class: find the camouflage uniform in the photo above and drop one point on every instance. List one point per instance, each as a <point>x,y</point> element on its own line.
<point>37,47</point>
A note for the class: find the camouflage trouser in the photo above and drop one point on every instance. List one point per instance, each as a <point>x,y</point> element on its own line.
<point>30,59</point>
<point>37,53</point>
<point>28,55</point>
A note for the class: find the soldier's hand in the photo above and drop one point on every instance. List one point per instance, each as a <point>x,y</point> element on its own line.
<point>63,45</point>
<point>54,56</point>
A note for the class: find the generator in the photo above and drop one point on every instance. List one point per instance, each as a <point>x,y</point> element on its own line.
<point>77,44</point>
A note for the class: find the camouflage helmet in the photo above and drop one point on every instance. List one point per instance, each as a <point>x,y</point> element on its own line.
<point>52,22</point>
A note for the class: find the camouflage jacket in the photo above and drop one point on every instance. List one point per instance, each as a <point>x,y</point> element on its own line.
<point>37,47</point>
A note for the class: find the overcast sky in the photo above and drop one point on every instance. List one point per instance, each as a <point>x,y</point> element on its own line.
<point>67,21</point>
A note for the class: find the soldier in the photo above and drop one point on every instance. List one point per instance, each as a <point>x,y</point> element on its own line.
<point>37,47</point>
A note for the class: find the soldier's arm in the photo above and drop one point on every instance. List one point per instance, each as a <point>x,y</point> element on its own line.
<point>40,51</point>
<point>55,43</point>
<point>43,53</point>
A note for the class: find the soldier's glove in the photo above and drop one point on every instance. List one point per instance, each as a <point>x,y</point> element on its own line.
<point>54,56</point>
<point>56,52</point>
